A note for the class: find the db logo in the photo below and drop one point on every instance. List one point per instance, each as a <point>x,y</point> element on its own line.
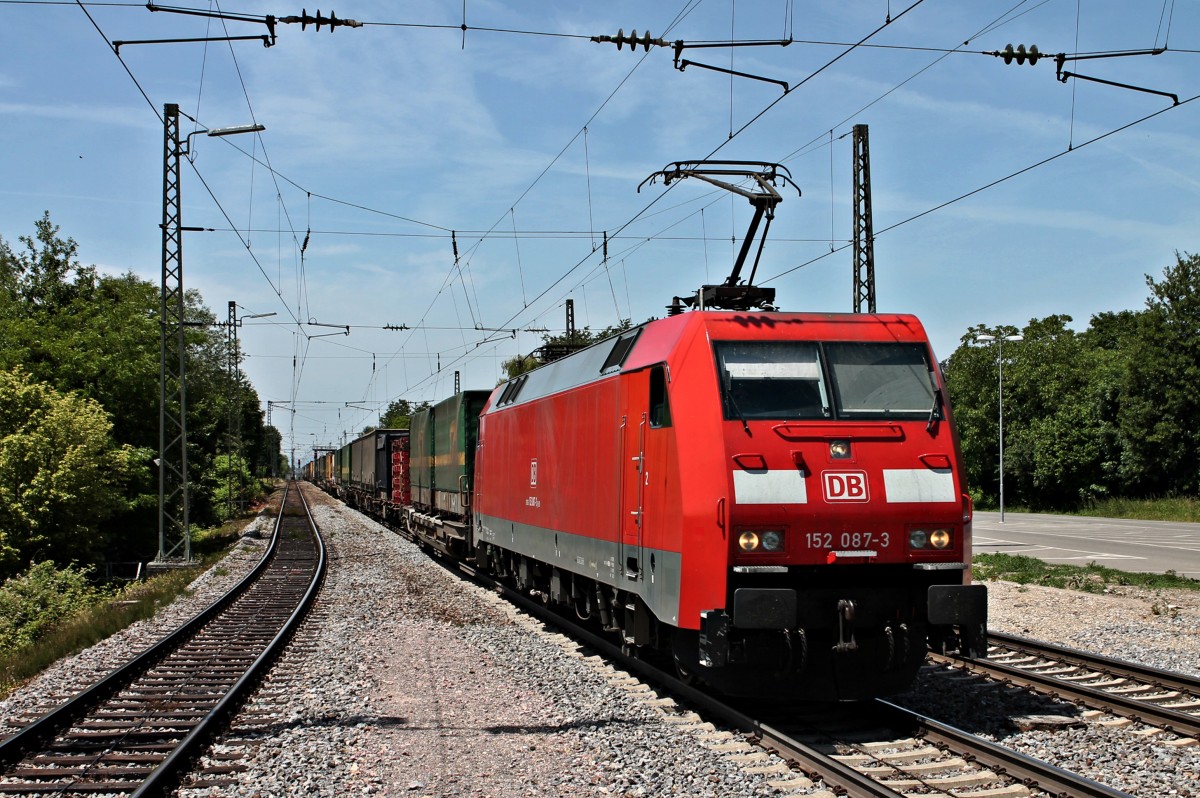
<point>845,486</point>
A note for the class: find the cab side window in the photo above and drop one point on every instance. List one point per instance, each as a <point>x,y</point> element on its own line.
<point>660,405</point>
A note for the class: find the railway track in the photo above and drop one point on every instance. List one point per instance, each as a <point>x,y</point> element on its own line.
<point>1170,701</point>
<point>866,750</point>
<point>137,729</point>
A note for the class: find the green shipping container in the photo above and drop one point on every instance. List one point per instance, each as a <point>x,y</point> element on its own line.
<point>455,433</point>
<point>421,458</point>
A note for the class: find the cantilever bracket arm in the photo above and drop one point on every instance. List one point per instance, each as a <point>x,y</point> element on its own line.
<point>1062,74</point>
<point>345,329</point>
<point>682,63</point>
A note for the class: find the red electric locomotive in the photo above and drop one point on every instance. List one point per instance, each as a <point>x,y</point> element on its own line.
<point>777,496</point>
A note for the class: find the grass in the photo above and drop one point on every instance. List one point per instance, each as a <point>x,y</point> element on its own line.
<point>137,601</point>
<point>1184,508</point>
<point>1090,578</point>
<point>130,604</point>
<point>1176,509</point>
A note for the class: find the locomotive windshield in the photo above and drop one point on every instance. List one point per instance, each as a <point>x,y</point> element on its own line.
<point>881,380</point>
<point>796,380</point>
<point>772,379</point>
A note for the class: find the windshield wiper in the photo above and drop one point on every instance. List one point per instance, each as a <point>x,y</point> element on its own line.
<point>733,403</point>
<point>935,412</point>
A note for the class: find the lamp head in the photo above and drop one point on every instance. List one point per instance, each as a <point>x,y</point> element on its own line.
<point>235,129</point>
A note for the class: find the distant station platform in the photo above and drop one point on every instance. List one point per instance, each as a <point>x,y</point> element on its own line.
<point>1146,546</point>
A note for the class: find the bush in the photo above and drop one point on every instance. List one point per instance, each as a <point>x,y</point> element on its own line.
<point>230,486</point>
<point>33,602</point>
<point>61,474</point>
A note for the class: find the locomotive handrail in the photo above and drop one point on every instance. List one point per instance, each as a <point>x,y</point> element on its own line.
<point>794,431</point>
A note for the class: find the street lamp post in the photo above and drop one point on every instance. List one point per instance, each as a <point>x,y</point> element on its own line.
<point>999,341</point>
<point>174,533</point>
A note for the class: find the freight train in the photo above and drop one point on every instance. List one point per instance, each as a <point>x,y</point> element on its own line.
<point>775,500</point>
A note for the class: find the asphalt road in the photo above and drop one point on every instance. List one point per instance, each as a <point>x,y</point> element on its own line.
<point>1148,546</point>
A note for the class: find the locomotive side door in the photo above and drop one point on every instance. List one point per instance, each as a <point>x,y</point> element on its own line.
<point>632,431</point>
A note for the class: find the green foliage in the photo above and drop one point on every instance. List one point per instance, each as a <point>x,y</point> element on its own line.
<point>397,413</point>
<point>90,623</point>
<point>40,598</point>
<point>97,337</point>
<point>1179,508</point>
<point>60,473</point>
<point>1107,413</point>
<point>1158,426</point>
<point>1090,578</point>
<point>516,366</point>
<point>230,485</point>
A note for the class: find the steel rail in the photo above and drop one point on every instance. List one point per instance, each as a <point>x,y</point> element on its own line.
<point>1117,667</point>
<point>842,778</point>
<point>1032,772</point>
<point>13,748</point>
<point>166,776</point>
<point>1141,710</point>
<point>58,721</point>
<point>837,775</point>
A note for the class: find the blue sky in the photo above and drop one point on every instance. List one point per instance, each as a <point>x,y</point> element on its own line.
<point>383,139</point>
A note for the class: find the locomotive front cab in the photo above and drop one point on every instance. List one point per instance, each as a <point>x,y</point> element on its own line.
<point>849,522</point>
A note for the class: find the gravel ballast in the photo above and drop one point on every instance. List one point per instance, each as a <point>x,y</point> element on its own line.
<point>408,681</point>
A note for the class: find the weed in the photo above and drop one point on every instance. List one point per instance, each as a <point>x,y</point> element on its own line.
<point>86,625</point>
<point>1160,607</point>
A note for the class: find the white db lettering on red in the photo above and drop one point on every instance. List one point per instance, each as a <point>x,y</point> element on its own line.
<point>845,486</point>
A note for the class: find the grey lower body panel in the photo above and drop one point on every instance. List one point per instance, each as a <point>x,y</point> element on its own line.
<point>656,582</point>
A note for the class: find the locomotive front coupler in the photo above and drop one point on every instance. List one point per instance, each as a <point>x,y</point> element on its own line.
<point>845,612</point>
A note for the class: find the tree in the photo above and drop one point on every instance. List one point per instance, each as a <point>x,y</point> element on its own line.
<point>229,484</point>
<point>1061,445</point>
<point>40,272</point>
<point>516,366</point>
<point>60,473</point>
<point>396,415</point>
<point>98,337</point>
<point>266,455</point>
<point>971,382</point>
<point>78,331</point>
<point>1158,429</point>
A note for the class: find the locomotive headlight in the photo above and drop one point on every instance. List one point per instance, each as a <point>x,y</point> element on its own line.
<point>772,540</point>
<point>748,541</point>
<point>839,450</point>
<point>940,538</point>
